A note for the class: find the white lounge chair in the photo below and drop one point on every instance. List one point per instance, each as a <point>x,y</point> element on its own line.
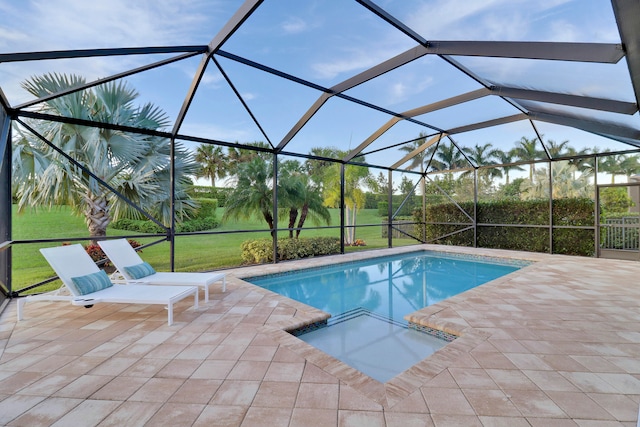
<point>83,283</point>
<point>134,270</point>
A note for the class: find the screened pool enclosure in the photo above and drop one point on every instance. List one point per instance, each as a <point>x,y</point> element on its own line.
<point>505,124</point>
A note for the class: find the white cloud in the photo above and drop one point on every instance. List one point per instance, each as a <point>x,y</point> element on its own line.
<point>442,18</point>
<point>67,24</point>
<point>211,79</point>
<point>9,37</point>
<point>484,19</point>
<point>294,25</point>
<point>398,90</point>
<point>42,25</point>
<point>449,20</point>
<point>351,60</point>
<point>409,86</point>
<point>329,70</point>
<point>565,31</point>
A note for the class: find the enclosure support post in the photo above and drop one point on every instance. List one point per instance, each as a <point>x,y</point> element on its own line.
<point>475,208</point>
<point>596,208</point>
<point>424,206</point>
<point>550,208</point>
<point>274,230</point>
<point>172,203</point>
<point>390,209</point>
<point>342,167</point>
<point>5,205</point>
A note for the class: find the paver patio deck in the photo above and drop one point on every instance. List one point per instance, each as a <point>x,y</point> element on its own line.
<point>556,343</point>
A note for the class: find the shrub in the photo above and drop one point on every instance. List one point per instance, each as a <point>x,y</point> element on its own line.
<point>260,251</point>
<point>517,239</point>
<point>615,199</point>
<point>218,193</point>
<point>575,212</point>
<point>383,208</point>
<point>569,241</point>
<point>401,225</point>
<point>204,218</point>
<point>198,191</point>
<point>565,212</point>
<point>95,252</point>
<point>149,227</point>
<point>137,225</point>
<point>198,224</point>
<point>414,202</point>
<point>207,208</point>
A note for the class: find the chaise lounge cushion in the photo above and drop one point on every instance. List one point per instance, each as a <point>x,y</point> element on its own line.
<point>92,282</point>
<point>139,271</point>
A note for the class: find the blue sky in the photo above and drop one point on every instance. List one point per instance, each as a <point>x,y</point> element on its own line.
<point>324,42</point>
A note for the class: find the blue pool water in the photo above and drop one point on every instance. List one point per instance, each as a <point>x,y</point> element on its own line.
<point>391,286</point>
<point>368,300</point>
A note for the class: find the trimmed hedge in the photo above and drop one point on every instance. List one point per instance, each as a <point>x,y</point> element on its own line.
<point>137,225</point>
<point>517,239</point>
<point>218,193</point>
<point>573,242</point>
<point>203,219</point>
<point>143,226</point>
<point>566,212</point>
<point>260,251</point>
<point>207,208</point>
<point>381,203</point>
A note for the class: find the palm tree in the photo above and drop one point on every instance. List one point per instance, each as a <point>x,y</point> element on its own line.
<point>483,155</point>
<point>316,168</point>
<point>504,159</point>
<point>618,165</point>
<point>136,165</point>
<point>564,184</point>
<point>354,197</point>
<point>630,166</point>
<point>238,156</point>
<point>558,149</point>
<point>582,164</point>
<point>312,204</point>
<point>448,157</point>
<point>418,160</point>
<point>213,163</point>
<point>527,149</point>
<point>253,195</point>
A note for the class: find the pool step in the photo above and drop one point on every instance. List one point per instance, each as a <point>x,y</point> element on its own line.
<point>361,311</point>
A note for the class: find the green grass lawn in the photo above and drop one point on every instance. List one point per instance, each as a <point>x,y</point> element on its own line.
<point>193,252</point>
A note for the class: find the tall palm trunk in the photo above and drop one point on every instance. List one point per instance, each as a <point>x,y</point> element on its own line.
<point>353,224</point>
<point>303,217</point>
<point>350,217</point>
<point>269,218</point>
<point>293,215</point>
<point>97,216</point>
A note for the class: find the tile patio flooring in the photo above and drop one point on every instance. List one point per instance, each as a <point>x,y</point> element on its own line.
<point>554,344</point>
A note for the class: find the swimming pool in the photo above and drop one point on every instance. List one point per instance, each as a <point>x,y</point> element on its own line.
<point>391,286</point>
<point>368,300</point>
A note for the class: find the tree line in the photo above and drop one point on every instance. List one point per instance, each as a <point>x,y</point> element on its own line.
<point>137,166</point>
